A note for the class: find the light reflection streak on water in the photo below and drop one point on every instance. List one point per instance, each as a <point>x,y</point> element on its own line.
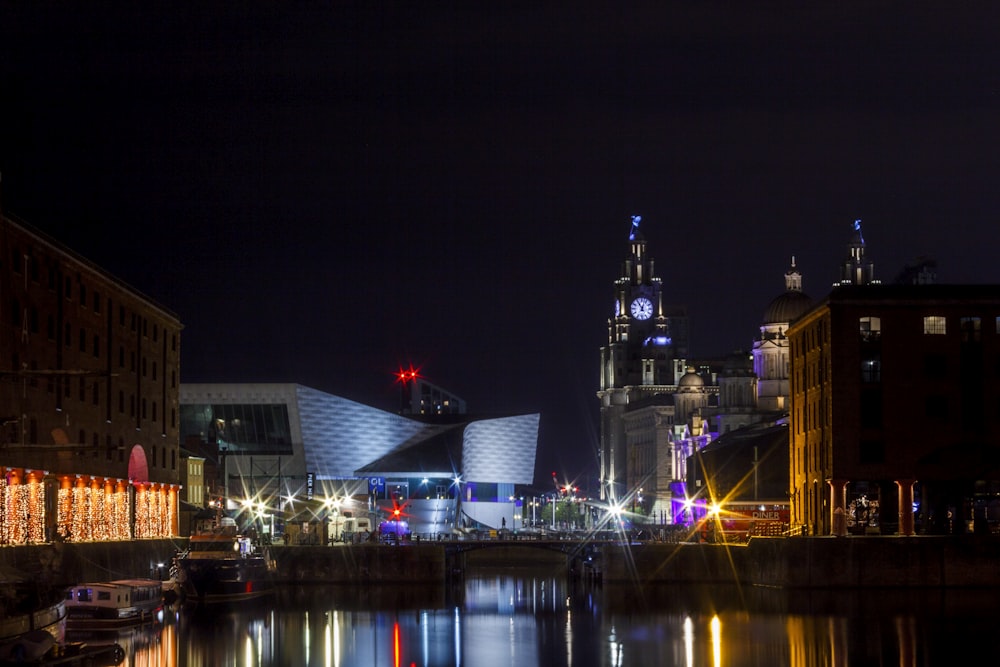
<point>424,638</point>
<point>568,634</point>
<point>688,641</point>
<point>331,632</point>
<point>615,649</point>
<point>306,637</point>
<point>511,638</point>
<point>248,651</point>
<point>716,626</point>
<point>458,637</point>
<point>395,644</point>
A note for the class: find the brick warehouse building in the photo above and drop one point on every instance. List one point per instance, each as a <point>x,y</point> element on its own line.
<point>895,410</point>
<point>89,386</point>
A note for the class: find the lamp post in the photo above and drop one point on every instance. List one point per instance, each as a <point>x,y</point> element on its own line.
<point>554,511</point>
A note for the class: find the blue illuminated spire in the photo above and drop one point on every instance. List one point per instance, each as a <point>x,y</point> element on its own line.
<point>856,269</point>
<point>636,219</point>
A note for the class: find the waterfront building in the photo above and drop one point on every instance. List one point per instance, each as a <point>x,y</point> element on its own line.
<point>89,379</point>
<point>284,447</point>
<point>658,407</point>
<point>642,362</point>
<point>771,364</point>
<point>895,410</point>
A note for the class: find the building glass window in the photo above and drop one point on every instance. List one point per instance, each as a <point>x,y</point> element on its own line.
<point>871,368</point>
<point>970,329</point>
<point>239,427</point>
<point>870,328</point>
<point>934,324</point>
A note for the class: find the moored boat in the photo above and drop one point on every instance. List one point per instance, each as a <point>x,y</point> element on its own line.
<point>113,603</point>
<point>223,566</point>
<point>49,617</point>
<point>39,647</point>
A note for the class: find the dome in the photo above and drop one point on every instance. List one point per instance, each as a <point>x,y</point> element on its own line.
<point>691,380</point>
<point>787,307</point>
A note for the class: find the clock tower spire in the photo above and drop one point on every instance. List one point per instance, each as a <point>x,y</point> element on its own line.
<point>639,355</point>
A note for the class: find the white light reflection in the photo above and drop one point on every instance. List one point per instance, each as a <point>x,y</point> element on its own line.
<point>616,649</point>
<point>332,639</point>
<point>259,641</point>
<point>568,634</point>
<point>248,651</point>
<point>716,641</point>
<point>688,642</point>
<point>307,638</point>
<point>458,638</point>
<point>424,638</point>
<point>512,638</point>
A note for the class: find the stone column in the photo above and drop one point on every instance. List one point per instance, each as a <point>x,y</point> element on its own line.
<point>838,506</point>
<point>905,487</point>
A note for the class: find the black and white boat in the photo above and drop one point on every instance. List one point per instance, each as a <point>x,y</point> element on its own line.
<point>113,603</point>
<point>223,566</point>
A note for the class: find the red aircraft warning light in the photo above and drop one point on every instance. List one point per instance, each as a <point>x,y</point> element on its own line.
<point>406,375</point>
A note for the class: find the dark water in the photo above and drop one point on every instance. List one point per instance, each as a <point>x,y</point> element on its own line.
<point>523,619</point>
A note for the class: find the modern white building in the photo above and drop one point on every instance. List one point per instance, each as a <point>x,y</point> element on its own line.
<point>282,446</point>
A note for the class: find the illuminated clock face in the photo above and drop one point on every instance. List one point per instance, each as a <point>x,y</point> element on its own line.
<point>642,308</point>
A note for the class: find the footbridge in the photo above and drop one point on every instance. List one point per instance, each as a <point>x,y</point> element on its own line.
<point>575,555</point>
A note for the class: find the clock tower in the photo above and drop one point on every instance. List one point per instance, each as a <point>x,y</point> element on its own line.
<point>647,343</point>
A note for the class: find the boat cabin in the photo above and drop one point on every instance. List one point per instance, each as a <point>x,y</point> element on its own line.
<point>121,602</point>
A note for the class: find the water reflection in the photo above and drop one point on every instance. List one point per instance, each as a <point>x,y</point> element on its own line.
<point>528,620</point>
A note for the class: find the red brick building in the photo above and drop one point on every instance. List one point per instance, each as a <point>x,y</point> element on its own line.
<point>895,410</point>
<point>89,398</point>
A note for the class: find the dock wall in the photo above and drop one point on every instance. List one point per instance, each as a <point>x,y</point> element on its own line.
<point>800,562</point>
<point>813,562</point>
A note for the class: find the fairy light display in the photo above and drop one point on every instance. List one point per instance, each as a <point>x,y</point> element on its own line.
<point>78,520</point>
<point>64,507</point>
<point>22,506</point>
<point>87,508</point>
<point>6,506</point>
<point>33,506</point>
<point>121,516</point>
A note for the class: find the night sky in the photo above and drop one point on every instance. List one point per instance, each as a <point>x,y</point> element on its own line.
<point>324,192</point>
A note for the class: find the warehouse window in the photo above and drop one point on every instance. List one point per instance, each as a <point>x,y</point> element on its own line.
<point>934,324</point>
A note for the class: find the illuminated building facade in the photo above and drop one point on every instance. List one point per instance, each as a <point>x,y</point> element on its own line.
<point>88,399</point>
<point>643,358</point>
<point>283,445</point>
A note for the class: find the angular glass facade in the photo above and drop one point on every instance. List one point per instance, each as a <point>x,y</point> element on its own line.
<point>239,427</point>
